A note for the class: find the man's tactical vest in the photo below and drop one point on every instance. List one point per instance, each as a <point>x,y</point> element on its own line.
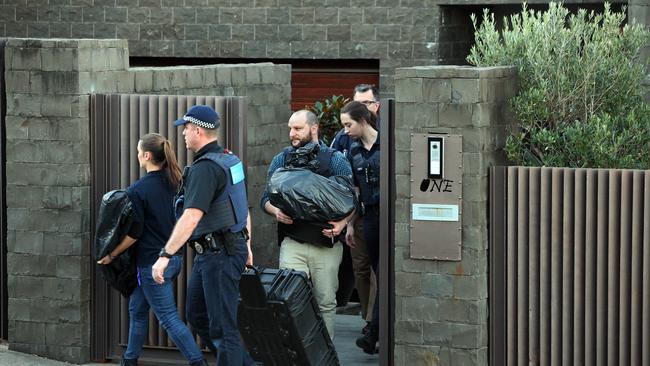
<point>366,173</point>
<point>229,211</point>
<point>304,231</point>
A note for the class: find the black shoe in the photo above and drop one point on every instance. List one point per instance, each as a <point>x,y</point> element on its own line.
<point>366,328</point>
<point>200,363</point>
<point>367,343</point>
<point>133,362</point>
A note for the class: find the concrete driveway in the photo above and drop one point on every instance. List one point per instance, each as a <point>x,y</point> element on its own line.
<point>348,328</point>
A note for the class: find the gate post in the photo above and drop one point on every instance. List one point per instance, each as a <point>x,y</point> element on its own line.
<point>48,192</point>
<point>442,306</point>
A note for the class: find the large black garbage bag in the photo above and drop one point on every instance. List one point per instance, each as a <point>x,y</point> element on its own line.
<point>305,195</point>
<point>113,223</point>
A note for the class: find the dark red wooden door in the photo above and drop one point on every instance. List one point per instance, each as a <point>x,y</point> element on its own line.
<point>308,87</point>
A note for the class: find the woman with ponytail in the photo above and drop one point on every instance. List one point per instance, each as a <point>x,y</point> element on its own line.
<point>152,197</point>
<point>361,125</point>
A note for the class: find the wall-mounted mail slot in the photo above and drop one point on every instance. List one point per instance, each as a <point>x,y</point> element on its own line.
<point>434,212</point>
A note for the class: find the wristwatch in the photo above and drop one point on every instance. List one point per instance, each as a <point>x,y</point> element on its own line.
<point>164,253</point>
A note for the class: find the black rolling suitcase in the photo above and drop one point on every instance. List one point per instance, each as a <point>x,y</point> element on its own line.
<point>280,322</point>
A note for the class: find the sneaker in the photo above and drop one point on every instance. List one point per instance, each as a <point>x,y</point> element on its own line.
<point>367,343</point>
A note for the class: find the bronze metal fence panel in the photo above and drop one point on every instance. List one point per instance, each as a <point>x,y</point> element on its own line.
<point>645,286</point>
<point>4,321</point>
<point>569,266</point>
<point>521,268</point>
<point>117,123</point>
<point>511,251</point>
<point>497,279</point>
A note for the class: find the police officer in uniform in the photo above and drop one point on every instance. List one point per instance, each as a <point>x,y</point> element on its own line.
<point>313,248</point>
<point>367,94</point>
<point>364,279</point>
<point>360,124</point>
<point>214,224</point>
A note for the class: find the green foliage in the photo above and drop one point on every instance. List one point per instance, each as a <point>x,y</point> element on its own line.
<point>604,142</point>
<point>581,96</point>
<point>328,113</point>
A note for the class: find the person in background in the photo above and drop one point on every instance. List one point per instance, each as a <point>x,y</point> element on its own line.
<point>368,95</point>
<point>360,124</point>
<point>364,279</point>
<point>152,197</point>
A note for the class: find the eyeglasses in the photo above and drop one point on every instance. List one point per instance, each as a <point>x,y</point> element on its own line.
<point>368,102</point>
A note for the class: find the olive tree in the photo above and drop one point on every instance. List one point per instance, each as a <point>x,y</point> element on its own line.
<point>581,86</point>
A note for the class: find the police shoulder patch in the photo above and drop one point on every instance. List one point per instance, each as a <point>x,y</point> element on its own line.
<point>237,173</point>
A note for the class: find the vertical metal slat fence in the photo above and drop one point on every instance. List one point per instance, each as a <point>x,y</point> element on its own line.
<point>4,321</point>
<point>117,122</point>
<point>569,266</point>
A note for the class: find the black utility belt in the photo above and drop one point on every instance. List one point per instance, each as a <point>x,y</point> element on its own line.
<point>217,241</point>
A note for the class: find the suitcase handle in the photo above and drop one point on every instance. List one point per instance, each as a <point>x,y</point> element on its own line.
<point>255,268</point>
<point>254,295</point>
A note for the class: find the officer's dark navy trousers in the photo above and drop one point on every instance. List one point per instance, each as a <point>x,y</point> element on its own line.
<point>371,235</point>
<point>212,297</point>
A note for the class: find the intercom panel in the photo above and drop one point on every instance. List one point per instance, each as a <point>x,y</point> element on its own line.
<point>436,196</point>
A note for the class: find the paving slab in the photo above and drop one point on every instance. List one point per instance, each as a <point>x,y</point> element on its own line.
<point>348,328</point>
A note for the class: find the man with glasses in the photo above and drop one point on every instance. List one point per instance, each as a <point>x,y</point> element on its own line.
<point>364,280</point>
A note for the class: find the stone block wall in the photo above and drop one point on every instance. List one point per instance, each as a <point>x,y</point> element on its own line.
<point>441,315</point>
<point>48,191</point>
<point>397,33</point>
<point>48,86</point>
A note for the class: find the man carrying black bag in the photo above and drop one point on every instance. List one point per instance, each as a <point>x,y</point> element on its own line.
<point>305,246</point>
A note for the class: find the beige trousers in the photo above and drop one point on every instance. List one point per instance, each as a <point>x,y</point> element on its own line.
<point>321,265</point>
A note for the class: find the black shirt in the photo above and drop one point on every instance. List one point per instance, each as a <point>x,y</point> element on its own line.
<point>205,181</point>
<point>152,198</point>
<point>364,187</point>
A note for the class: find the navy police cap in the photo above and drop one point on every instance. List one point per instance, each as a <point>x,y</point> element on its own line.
<point>202,116</point>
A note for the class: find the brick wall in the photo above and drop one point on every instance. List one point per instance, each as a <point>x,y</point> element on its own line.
<point>441,315</point>
<point>48,83</point>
